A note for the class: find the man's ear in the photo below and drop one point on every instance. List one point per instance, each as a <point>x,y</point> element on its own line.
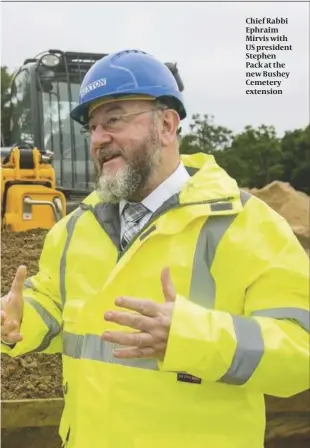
<point>170,126</point>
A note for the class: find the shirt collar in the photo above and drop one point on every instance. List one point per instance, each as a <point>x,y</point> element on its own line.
<point>170,186</point>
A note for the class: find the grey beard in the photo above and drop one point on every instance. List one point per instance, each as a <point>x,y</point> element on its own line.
<point>121,186</point>
<point>133,176</point>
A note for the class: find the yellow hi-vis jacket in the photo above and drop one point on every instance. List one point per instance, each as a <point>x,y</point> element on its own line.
<point>240,326</point>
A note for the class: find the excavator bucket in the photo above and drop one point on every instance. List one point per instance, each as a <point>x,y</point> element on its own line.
<point>29,198</point>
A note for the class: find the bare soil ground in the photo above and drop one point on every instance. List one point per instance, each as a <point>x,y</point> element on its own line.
<point>36,375</point>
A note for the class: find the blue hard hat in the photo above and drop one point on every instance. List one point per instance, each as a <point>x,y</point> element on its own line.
<point>129,72</point>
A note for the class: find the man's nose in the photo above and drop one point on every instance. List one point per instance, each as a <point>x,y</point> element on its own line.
<point>99,138</point>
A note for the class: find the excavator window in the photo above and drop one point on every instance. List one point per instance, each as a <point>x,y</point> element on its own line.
<point>62,136</point>
<point>21,128</point>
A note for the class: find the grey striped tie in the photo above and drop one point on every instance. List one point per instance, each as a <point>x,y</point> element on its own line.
<point>133,213</point>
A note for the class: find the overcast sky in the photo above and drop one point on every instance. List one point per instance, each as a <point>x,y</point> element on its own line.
<point>207,40</point>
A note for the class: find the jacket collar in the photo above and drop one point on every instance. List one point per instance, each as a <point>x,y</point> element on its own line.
<point>207,182</point>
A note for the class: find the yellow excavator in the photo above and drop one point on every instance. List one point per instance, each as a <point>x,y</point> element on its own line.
<point>46,170</point>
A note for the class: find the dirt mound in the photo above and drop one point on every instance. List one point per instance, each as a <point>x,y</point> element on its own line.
<point>293,205</point>
<point>36,375</point>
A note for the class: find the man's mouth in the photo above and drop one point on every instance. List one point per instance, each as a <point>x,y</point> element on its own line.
<point>107,158</point>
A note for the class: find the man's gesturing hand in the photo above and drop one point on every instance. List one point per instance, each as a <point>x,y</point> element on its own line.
<point>12,306</point>
<point>152,320</point>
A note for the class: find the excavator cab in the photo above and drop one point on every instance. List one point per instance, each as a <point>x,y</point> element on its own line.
<point>49,172</point>
<point>43,93</point>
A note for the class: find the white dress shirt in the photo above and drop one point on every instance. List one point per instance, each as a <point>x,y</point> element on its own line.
<point>172,185</point>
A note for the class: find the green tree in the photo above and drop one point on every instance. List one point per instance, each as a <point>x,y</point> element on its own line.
<point>205,136</point>
<point>6,77</point>
<point>254,158</point>
<point>296,158</point>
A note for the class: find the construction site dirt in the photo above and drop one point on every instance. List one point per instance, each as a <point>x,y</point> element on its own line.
<point>40,376</point>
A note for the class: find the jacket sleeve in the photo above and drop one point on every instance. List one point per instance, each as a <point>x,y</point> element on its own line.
<point>266,348</point>
<point>42,317</point>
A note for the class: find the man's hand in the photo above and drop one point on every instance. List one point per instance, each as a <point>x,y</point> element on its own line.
<point>12,306</point>
<point>152,320</point>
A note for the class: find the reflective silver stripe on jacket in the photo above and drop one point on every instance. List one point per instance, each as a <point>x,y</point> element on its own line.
<point>28,284</point>
<point>248,353</point>
<point>52,324</point>
<point>298,315</point>
<point>91,346</point>
<point>202,287</point>
<point>250,343</point>
<point>63,262</point>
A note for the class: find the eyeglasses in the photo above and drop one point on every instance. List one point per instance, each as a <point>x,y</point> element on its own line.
<point>114,123</point>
